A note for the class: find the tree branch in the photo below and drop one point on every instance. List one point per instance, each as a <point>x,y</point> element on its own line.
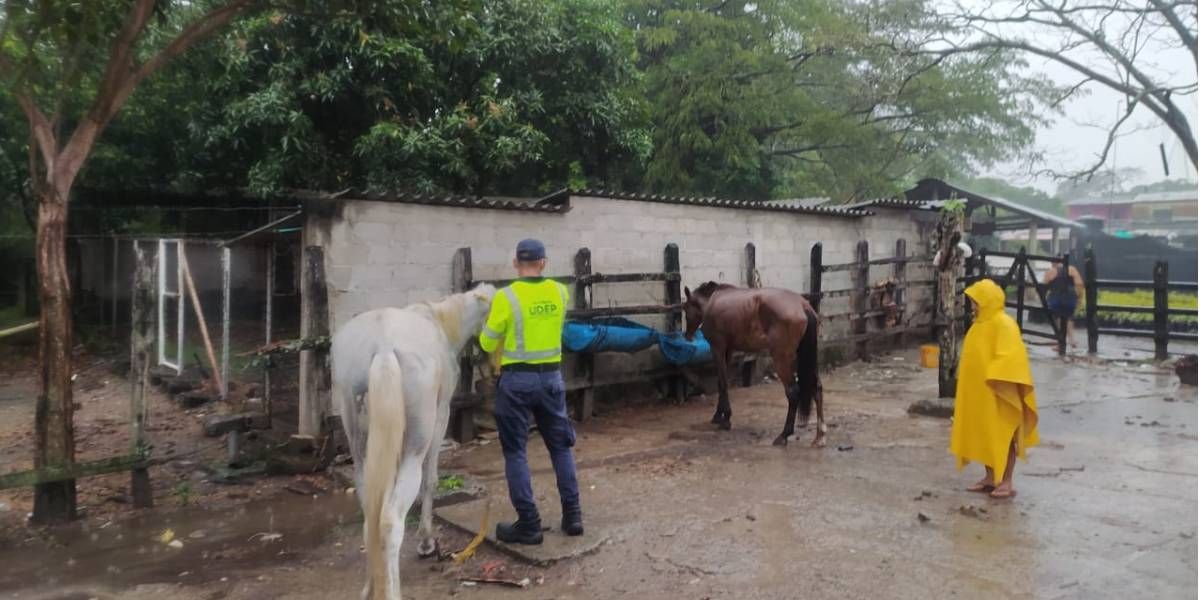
<point>122,76</point>
<point>1188,37</point>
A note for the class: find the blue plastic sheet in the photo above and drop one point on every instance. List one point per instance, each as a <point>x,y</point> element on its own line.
<point>608,335</point>
<point>623,335</point>
<point>679,351</point>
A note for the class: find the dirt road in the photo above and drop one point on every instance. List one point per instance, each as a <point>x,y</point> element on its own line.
<point>1107,509</point>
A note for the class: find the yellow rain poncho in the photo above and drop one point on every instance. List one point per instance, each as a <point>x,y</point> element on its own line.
<point>994,399</point>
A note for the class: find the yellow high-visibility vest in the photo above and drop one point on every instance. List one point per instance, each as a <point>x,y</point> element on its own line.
<point>528,317</point>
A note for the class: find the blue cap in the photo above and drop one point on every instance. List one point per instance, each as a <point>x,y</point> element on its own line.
<point>530,250</point>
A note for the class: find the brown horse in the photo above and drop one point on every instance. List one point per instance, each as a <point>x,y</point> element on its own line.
<point>755,320</point>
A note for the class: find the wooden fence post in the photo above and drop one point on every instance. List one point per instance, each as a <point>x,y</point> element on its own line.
<point>585,362</point>
<point>899,273</point>
<point>814,277</point>
<point>862,291</point>
<point>1161,333</point>
<point>945,321</point>
<point>462,420</point>
<point>749,364</point>
<point>141,342</point>
<point>1021,264</point>
<point>1091,297</point>
<point>314,363</point>
<point>677,386</point>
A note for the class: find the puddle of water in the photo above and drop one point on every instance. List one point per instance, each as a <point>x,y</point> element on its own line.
<point>131,552</point>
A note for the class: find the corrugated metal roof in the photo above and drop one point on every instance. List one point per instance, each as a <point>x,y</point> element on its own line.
<point>936,189</point>
<point>554,203</point>
<point>900,203</point>
<point>723,203</point>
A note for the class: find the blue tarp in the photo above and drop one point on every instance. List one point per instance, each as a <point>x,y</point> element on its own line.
<point>608,335</point>
<point>679,351</point>
<point>623,335</point>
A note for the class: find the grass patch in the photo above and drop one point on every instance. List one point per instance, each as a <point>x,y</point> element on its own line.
<point>450,483</point>
<point>1144,298</point>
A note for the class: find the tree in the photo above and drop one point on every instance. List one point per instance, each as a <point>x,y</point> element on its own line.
<point>778,98</point>
<point>1108,42</point>
<point>458,96</point>
<point>71,67</point>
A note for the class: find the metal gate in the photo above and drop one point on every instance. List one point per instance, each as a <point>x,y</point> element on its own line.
<point>1022,276</point>
<point>170,303</point>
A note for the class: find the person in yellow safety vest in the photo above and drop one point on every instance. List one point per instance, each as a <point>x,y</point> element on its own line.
<point>526,323</point>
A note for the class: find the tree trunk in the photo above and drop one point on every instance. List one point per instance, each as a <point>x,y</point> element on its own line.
<point>55,501</point>
<point>949,269</point>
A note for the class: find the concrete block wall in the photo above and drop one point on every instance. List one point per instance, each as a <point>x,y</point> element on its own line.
<point>393,254</point>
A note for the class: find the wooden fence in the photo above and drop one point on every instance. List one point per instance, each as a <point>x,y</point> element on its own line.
<point>582,381</point>
<point>1021,275</point>
<point>1159,282</point>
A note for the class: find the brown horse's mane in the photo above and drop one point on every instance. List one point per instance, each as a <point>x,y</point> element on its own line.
<point>707,288</point>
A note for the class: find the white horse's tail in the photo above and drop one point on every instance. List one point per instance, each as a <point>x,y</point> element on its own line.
<point>385,444</point>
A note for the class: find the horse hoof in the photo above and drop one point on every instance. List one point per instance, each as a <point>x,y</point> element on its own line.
<point>780,441</point>
<point>427,548</point>
<point>819,442</point>
<point>724,425</point>
<point>716,420</point>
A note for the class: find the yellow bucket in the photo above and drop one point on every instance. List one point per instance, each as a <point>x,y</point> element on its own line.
<point>929,356</point>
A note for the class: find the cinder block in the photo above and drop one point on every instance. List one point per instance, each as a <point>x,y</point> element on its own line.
<point>370,278</point>
<point>369,232</point>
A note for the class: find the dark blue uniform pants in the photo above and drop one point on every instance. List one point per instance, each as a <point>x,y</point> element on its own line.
<point>542,395</point>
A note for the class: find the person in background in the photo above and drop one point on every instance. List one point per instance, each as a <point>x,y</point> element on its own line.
<point>1064,293</point>
<point>995,408</point>
<point>525,325</point>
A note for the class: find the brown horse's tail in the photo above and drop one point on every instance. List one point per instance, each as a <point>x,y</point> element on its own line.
<point>806,364</point>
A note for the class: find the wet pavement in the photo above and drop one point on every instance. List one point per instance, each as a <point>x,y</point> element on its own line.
<point>1106,508</point>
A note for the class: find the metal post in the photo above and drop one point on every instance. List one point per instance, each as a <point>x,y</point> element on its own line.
<point>1161,333</point>
<point>899,273</point>
<point>1022,262</point>
<point>266,391</point>
<point>226,268</point>
<point>116,258</point>
<point>1091,297</point>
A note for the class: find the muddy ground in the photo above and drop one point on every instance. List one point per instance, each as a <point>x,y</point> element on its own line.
<point>1107,508</point>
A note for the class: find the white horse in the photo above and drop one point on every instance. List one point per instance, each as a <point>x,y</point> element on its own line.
<point>394,371</point>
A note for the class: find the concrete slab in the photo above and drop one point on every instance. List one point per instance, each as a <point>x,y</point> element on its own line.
<point>467,517</point>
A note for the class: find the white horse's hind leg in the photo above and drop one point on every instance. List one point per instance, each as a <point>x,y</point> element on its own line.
<point>408,483</point>
<point>429,544</point>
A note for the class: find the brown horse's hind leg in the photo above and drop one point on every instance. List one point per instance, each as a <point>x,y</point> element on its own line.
<point>783,369</point>
<point>722,418</point>
<point>819,398</point>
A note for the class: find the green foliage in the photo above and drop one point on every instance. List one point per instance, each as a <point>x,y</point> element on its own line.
<point>784,97</point>
<point>182,493</point>
<point>412,97</point>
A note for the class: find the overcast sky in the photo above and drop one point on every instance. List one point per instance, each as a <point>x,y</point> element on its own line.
<point>1071,144</point>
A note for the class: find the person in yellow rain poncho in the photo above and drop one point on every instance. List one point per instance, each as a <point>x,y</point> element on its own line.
<point>995,409</point>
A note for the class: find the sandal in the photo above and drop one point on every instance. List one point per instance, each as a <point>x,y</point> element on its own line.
<point>981,488</point>
<point>996,494</point>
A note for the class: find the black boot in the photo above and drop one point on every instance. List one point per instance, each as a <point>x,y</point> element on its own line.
<point>572,522</point>
<point>524,532</point>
